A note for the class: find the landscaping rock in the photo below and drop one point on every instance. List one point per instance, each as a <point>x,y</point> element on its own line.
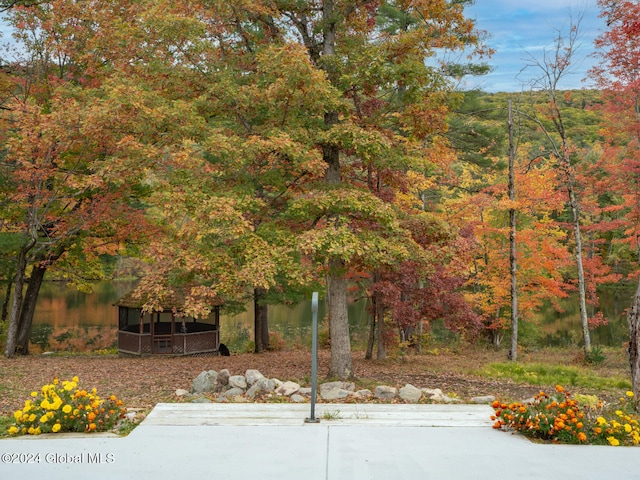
<point>288,389</point>
<point>199,399</point>
<point>205,382</point>
<point>434,394</point>
<point>243,388</point>
<point>232,392</point>
<point>223,377</point>
<point>253,376</point>
<point>483,399</point>
<point>409,393</point>
<point>238,381</point>
<point>363,394</point>
<point>253,391</point>
<point>349,386</point>
<point>334,394</point>
<point>383,392</point>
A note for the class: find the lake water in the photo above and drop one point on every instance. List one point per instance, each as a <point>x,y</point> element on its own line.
<point>66,319</point>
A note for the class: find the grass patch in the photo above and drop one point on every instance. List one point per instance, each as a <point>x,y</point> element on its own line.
<point>5,423</point>
<point>543,374</point>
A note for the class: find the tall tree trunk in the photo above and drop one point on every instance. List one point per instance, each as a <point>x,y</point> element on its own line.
<point>382,351</point>
<point>7,299</point>
<point>340,365</point>
<point>28,309</point>
<point>584,322</point>
<point>16,304</point>
<point>513,352</point>
<point>372,329</point>
<point>261,322</point>
<point>372,325</point>
<point>633,321</point>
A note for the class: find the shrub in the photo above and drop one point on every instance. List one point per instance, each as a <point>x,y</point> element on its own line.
<point>65,407</point>
<point>559,418</point>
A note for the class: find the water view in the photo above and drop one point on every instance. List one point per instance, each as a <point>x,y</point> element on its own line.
<point>66,319</point>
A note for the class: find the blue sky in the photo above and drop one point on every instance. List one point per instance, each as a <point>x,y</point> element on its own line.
<point>520,28</point>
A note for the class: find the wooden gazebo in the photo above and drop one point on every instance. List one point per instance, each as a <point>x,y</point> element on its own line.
<point>167,331</point>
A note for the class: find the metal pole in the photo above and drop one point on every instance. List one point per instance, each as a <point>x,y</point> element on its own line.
<point>314,357</point>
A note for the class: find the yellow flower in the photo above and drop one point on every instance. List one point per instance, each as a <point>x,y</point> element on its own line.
<point>34,394</point>
<point>601,421</point>
<point>67,408</point>
<point>613,441</point>
<point>17,415</point>
<point>630,394</point>
<point>75,379</point>
<point>56,428</point>
<point>44,418</point>
<point>13,430</point>
<point>627,428</point>
<point>32,417</point>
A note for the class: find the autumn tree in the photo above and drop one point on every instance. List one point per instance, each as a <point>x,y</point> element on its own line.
<point>552,68</point>
<point>320,92</point>
<point>301,101</point>
<point>618,75</point>
<point>65,156</point>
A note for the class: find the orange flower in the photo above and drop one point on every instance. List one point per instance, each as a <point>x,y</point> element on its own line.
<point>91,416</point>
<point>582,437</point>
<point>92,426</point>
<point>559,389</point>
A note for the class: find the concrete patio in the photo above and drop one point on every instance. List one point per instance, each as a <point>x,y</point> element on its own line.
<point>351,441</point>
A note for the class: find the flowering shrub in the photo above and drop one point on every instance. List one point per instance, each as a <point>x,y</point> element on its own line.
<point>559,418</point>
<point>65,407</point>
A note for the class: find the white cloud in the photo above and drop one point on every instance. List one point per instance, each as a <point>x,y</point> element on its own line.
<point>519,29</point>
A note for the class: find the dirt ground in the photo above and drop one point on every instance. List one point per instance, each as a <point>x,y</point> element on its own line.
<point>143,382</point>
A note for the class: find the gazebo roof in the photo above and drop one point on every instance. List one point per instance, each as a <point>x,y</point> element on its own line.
<point>174,299</point>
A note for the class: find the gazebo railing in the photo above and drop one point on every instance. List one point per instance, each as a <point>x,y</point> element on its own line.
<point>134,343</point>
